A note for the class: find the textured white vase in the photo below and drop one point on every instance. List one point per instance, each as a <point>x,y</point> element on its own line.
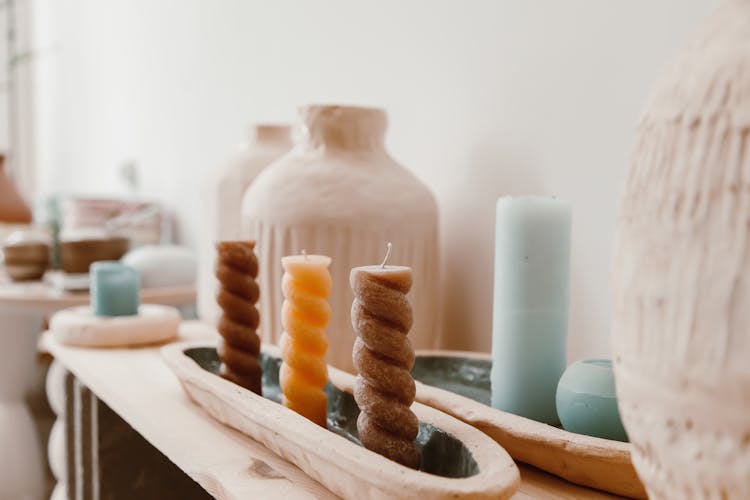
<point>265,143</point>
<point>681,325</point>
<point>339,193</point>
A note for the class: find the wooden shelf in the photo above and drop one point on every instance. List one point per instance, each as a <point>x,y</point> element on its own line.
<point>139,387</point>
<point>41,297</point>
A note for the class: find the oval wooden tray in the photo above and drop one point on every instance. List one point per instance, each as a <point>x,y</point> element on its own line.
<point>458,461</point>
<point>458,383</point>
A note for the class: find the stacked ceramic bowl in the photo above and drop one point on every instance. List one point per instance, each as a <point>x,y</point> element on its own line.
<point>78,251</point>
<point>26,255</point>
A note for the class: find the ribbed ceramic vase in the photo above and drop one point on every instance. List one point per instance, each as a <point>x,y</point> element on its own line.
<point>339,193</point>
<point>264,144</point>
<point>13,208</point>
<point>681,324</point>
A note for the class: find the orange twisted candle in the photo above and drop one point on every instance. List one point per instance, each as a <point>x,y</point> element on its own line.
<point>383,357</point>
<point>236,270</point>
<point>306,285</point>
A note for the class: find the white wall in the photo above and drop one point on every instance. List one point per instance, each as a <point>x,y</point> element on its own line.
<point>486,98</point>
<point>16,93</point>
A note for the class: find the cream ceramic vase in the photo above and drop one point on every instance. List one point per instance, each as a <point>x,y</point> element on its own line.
<point>339,193</point>
<point>264,144</point>
<point>681,325</point>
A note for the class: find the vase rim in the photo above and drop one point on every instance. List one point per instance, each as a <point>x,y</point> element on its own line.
<point>343,127</point>
<point>269,132</point>
<point>351,108</point>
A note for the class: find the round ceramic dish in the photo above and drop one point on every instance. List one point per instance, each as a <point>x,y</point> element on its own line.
<point>458,461</point>
<point>79,326</point>
<point>458,383</point>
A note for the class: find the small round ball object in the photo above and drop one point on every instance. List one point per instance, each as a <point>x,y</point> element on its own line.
<point>587,402</point>
<point>162,265</point>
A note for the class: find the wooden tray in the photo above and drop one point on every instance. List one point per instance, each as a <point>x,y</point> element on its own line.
<point>458,383</point>
<point>458,461</point>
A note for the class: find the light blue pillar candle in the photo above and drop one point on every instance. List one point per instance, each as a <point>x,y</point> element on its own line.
<point>115,289</point>
<point>530,314</point>
<point>587,402</point>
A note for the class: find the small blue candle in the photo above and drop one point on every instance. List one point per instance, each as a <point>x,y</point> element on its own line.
<point>587,402</point>
<point>115,289</point>
<point>530,313</point>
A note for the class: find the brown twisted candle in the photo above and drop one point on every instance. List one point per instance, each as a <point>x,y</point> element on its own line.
<point>383,357</point>
<point>236,270</point>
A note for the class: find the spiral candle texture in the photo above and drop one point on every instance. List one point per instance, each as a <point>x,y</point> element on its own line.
<point>306,285</point>
<point>236,271</point>
<point>383,357</point>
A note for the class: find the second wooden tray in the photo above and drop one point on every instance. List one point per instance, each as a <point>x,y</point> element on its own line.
<point>458,383</point>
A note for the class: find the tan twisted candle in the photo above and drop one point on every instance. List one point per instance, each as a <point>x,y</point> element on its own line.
<point>383,357</point>
<point>236,270</point>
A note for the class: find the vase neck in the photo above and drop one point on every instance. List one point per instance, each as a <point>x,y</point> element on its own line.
<point>343,128</point>
<point>264,133</point>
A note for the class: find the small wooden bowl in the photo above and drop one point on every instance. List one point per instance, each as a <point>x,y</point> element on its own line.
<point>458,383</point>
<point>78,254</point>
<point>458,461</point>
<point>26,261</point>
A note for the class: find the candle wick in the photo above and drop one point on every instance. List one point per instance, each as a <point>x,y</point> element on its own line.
<point>387,254</point>
<point>304,252</point>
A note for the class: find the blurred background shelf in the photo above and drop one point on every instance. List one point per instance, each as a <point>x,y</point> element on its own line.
<point>25,417</point>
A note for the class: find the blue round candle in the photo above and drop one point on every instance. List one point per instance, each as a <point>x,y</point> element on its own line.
<point>587,402</point>
<point>115,289</point>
